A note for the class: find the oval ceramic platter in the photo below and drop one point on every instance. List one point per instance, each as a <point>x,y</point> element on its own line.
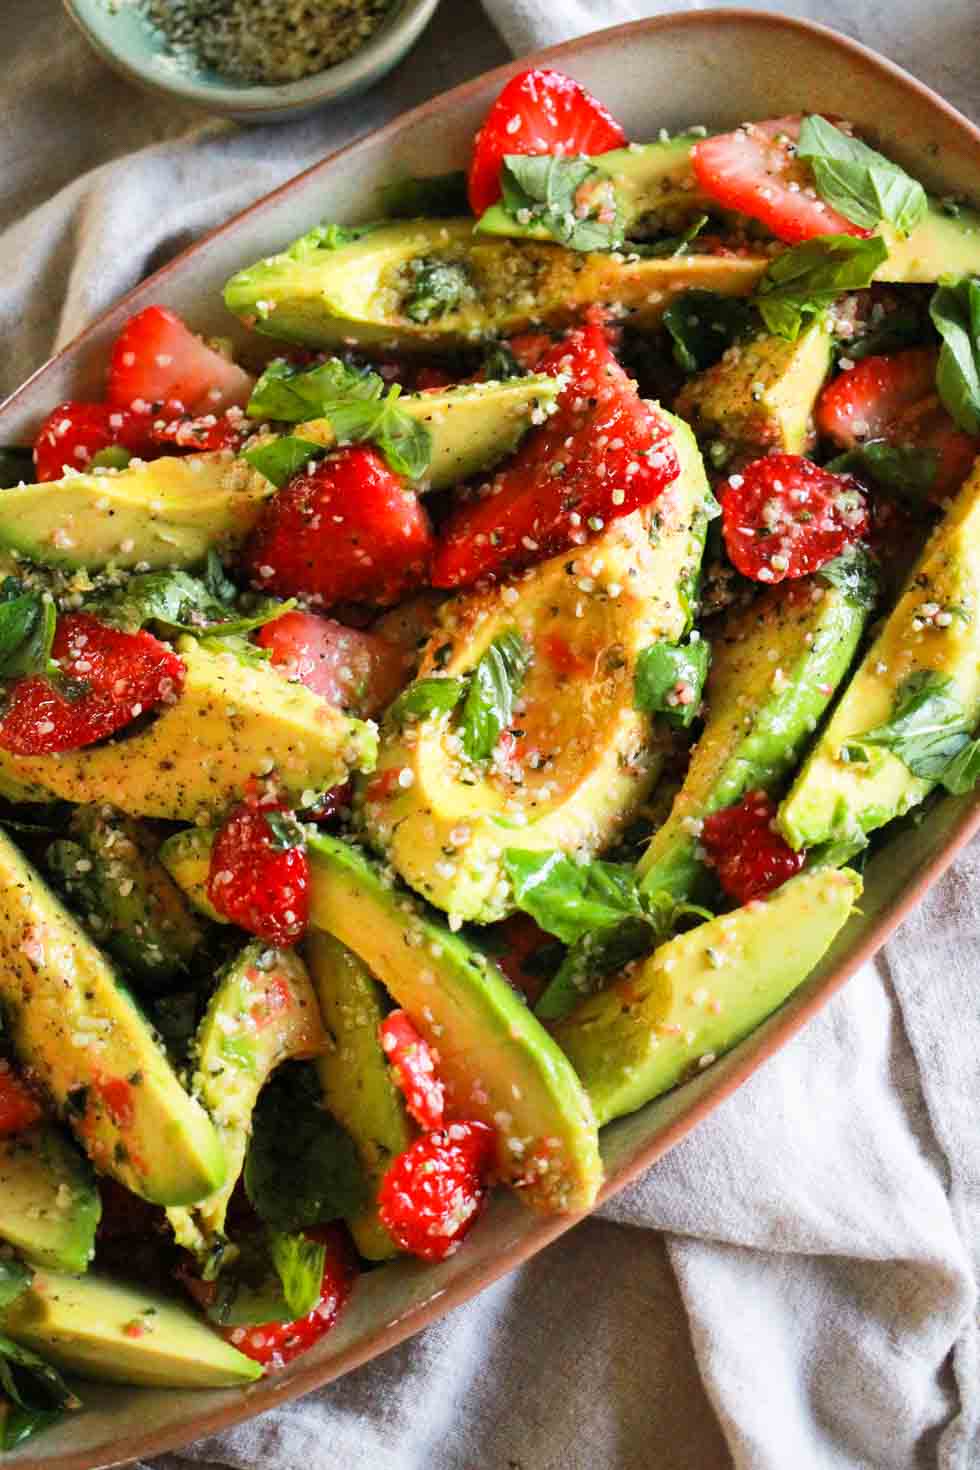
<point>669,72</point>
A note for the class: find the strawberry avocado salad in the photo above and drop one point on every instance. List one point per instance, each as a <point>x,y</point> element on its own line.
<point>462,713</point>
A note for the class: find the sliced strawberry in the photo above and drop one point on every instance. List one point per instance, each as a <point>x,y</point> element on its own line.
<point>19,1109</point>
<point>350,530</point>
<point>538,111</point>
<point>784,516</point>
<point>893,398</point>
<point>748,854</point>
<point>259,876</point>
<point>274,1344</point>
<point>228,430</point>
<point>108,679</point>
<point>604,453</point>
<point>75,432</point>
<point>157,359</point>
<point>414,1069</point>
<point>355,670</point>
<point>755,170</point>
<point>433,1193</point>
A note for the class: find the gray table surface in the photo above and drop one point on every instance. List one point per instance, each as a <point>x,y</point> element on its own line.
<point>47,139</point>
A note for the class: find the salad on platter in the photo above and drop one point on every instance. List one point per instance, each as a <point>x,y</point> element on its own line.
<point>463,719</point>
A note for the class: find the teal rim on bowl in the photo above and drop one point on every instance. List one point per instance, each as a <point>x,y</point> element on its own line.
<point>123,37</point>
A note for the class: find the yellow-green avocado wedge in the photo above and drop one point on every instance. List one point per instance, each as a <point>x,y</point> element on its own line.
<point>119,1333</point>
<point>163,513</point>
<point>263,1012</point>
<point>82,1035</point>
<point>358,292</point>
<point>231,720</point>
<point>702,992</point>
<point>49,1203</point>
<point>775,669</point>
<point>471,426</point>
<point>357,1082</point>
<point>934,626</point>
<point>445,826</point>
<point>760,397</point>
<point>497,1061</point>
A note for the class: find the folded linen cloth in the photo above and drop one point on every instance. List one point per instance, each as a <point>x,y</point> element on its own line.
<point>822,1226</point>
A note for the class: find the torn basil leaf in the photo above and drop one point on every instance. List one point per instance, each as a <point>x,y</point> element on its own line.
<point>430,696</point>
<point>908,470</point>
<point>955,312</point>
<point>855,574</point>
<point>178,603</point>
<point>568,197</point>
<point>963,771</point>
<point>27,628</point>
<point>288,394</point>
<point>806,279</point>
<point>928,727</point>
<point>571,899</point>
<point>33,1395</point>
<point>282,458</point>
<point>704,324</point>
<point>669,680</point>
<point>299,1263</point>
<point>492,693</point>
<point>862,185</point>
<point>404,441</point>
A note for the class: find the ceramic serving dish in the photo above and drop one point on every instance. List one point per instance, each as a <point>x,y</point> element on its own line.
<point>123,38</point>
<point>666,71</point>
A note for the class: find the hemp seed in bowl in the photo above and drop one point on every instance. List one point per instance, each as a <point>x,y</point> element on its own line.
<point>265,42</point>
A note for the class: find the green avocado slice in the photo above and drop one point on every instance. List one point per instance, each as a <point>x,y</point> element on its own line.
<point>49,1204</point>
<point>232,720</point>
<point>362,291</point>
<point>775,669</point>
<point>164,513</point>
<point>702,992</point>
<point>593,757</point>
<point>357,1083</point>
<point>498,1062</point>
<point>119,1333</point>
<point>760,397</point>
<point>263,1012</point>
<point>93,1051</point>
<point>933,628</point>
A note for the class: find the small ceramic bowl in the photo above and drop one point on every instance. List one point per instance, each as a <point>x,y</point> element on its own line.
<point>124,38</point>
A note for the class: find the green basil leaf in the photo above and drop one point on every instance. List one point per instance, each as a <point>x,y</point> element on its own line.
<point>16,467</point>
<point>437,288</point>
<point>302,1167</point>
<point>661,668</point>
<point>329,237</point>
<point>704,324</point>
<point>36,1394</point>
<point>179,603</point>
<point>570,899</point>
<point>963,771</point>
<point>492,693</point>
<point>439,196</point>
<point>27,627</point>
<point>404,441</point>
<point>904,468</point>
<point>500,364</point>
<point>289,394</point>
<point>250,654</point>
<point>431,696</point>
<point>590,958</point>
<point>862,185</point>
<point>955,312</point>
<point>670,246</point>
<point>216,579</point>
<point>928,725</point>
<point>802,281</point>
<point>574,201</point>
<point>299,1263</point>
<point>282,458</point>
<point>15,1278</point>
<point>855,574</point>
